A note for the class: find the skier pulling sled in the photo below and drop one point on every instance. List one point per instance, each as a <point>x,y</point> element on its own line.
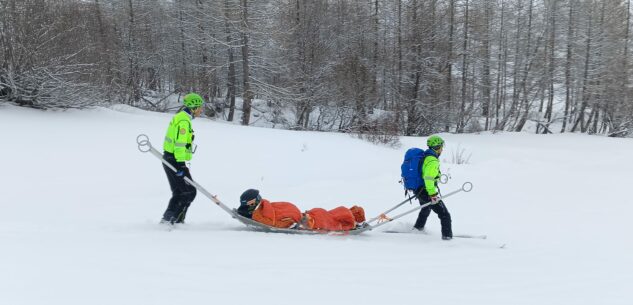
<point>144,145</point>
<point>382,218</point>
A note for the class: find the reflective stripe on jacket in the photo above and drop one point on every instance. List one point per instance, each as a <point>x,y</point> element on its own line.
<point>179,137</point>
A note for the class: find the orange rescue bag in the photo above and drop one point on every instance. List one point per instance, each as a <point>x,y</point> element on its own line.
<point>320,219</point>
<point>277,214</point>
<point>344,216</point>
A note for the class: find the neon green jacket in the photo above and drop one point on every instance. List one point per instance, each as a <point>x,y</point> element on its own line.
<point>179,137</point>
<point>431,173</point>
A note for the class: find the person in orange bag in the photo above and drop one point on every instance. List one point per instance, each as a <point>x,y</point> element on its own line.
<point>287,215</point>
<point>274,214</point>
<point>337,219</point>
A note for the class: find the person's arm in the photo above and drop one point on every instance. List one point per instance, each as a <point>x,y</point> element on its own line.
<point>243,211</point>
<point>431,172</point>
<point>183,139</point>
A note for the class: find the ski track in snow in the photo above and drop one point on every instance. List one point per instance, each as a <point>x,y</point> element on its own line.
<point>81,206</point>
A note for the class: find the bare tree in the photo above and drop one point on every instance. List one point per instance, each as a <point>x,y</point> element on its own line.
<point>248,94</point>
<point>330,64</point>
<point>568,64</point>
<point>231,77</point>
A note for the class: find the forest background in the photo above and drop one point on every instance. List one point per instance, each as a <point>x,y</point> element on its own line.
<point>377,68</point>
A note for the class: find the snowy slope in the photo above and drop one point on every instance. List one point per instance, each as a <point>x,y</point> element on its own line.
<point>81,206</point>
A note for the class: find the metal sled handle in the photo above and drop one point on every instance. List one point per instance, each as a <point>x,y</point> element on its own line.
<point>466,187</point>
<point>144,145</point>
<point>444,178</point>
<point>393,208</point>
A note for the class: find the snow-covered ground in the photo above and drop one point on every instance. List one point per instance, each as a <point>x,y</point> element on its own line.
<point>80,207</point>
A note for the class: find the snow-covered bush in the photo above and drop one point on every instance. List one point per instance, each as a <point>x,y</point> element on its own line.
<point>460,156</point>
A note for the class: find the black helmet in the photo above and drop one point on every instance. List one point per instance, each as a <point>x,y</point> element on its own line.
<point>249,195</point>
<point>245,209</point>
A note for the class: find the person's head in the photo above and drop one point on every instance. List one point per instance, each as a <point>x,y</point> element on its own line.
<point>194,102</point>
<point>435,143</point>
<point>251,199</point>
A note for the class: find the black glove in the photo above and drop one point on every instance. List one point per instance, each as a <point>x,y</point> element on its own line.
<point>181,169</point>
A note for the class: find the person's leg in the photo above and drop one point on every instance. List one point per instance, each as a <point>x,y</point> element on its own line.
<point>445,218</point>
<point>170,214</point>
<point>422,217</point>
<point>423,197</point>
<point>187,196</point>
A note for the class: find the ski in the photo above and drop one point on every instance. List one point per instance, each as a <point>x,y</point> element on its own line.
<point>426,233</point>
<point>406,232</point>
<point>470,236</point>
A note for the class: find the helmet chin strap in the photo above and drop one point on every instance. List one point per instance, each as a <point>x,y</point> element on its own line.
<point>438,150</point>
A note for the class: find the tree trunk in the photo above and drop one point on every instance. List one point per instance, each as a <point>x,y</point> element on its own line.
<point>105,54</point>
<point>134,73</point>
<point>413,119</point>
<point>501,68</point>
<point>568,75</point>
<point>183,50</point>
<point>487,83</point>
<point>204,78</point>
<point>374,82</point>
<point>515,72</point>
<point>248,94</point>
<point>231,79</point>
<point>551,44</point>
<point>399,93</point>
<point>462,108</point>
<point>625,61</point>
<point>526,71</point>
<point>585,80</point>
<point>449,61</point>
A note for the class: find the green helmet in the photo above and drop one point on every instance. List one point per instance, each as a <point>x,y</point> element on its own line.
<point>193,101</point>
<point>434,141</point>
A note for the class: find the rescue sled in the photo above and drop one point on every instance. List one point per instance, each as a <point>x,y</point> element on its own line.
<point>256,226</point>
<point>144,145</point>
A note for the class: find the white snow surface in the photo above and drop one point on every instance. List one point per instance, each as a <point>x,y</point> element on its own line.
<point>81,206</point>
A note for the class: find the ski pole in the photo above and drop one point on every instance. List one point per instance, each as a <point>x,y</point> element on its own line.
<point>466,187</point>
<point>145,146</point>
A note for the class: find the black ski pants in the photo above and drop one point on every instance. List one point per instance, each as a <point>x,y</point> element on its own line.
<point>182,194</point>
<point>439,209</point>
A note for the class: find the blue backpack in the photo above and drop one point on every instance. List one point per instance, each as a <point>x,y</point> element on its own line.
<point>411,169</point>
